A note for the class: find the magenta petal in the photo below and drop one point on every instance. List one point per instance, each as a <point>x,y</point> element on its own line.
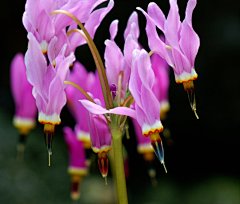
<point>172,25</point>
<point>181,62</point>
<point>133,19</point>
<point>18,76</point>
<point>113,29</point>
<point>33,10</point>
<point>57,96</point>
<point>97,109</point>
<point>155,43</point>
<point>75,149</point>
<point>189,10</point>
<point>129,46</point>
<point>99,133</point>
<point>124,111</point>
<point>151,105</point>
<point>25,104</point>
<point>93,108</point>
<point>45,26</point>
<point>157,15</point>
<point>51,49</point>
<point>145,71</point>
<point>36,63</point>
<point>114,61</point>
<point>135,81</point>
<point>189,40</point>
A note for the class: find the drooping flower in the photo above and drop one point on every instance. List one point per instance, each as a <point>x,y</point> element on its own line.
<point>181,43</point>
<point>101,138</point>
<point>48,85</point>
<point>25,106</point>
<point>77,161</point>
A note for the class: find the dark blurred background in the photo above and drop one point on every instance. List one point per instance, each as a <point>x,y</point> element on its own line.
<point>203,162</point>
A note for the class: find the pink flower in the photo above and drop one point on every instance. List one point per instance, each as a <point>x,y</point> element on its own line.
<point>47,81</point>
<point>141,83</point>
<point>25,105</point>
<point>77,161</point>
<point>181,39</point>
<point>77,158</point>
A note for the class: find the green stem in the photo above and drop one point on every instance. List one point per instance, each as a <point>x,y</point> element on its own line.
<point>119,166</point>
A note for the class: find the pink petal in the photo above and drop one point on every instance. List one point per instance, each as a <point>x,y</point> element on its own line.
<point>189,40</point>
<point>36,63</point>
<point>113,29</point>
<point>129,46</point>
<point>155,43</point>
<point>157,15</point>
<point>114,61</point>
<point>145,71</point>
<point>181,62</point>
<point>172,25</point>
<point>151,105</point>
<point>133,19</point>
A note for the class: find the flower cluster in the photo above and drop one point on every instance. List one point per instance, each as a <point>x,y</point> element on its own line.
<point>132,82</point>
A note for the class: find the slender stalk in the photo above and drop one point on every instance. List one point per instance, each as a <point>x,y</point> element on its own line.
<point>119,166</point>
<point>101,70</point>
<point>119,88</point>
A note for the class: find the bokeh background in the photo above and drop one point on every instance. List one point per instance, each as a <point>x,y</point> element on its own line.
<point>203,161</point>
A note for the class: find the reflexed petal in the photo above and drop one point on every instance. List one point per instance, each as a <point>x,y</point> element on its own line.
<point>189,10</point>
<point>181,62</point>
<point>51,49</point>
<point>135,81</point>
<point>189,42</point>
<point>129,46</point>
<point>45,26</point>
<point>155,43</point>
<point>97,109</point>
<point>113,29</point>
<point>157,15</point>
<point>36,63</point>
<point>18,76</point>
<point>133,19</point>
<point>145,71</point>
<point>33,11</point>
<point>114,61</point>
<point>93,108</point>
<point>151,105</point>
<point>172,25</point>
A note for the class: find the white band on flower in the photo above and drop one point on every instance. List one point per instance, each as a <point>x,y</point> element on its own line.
<point>53,119</point>
<point>83,136</point>
<point>185,76</point>
<point>149,129</point>
<point>20,122</point>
